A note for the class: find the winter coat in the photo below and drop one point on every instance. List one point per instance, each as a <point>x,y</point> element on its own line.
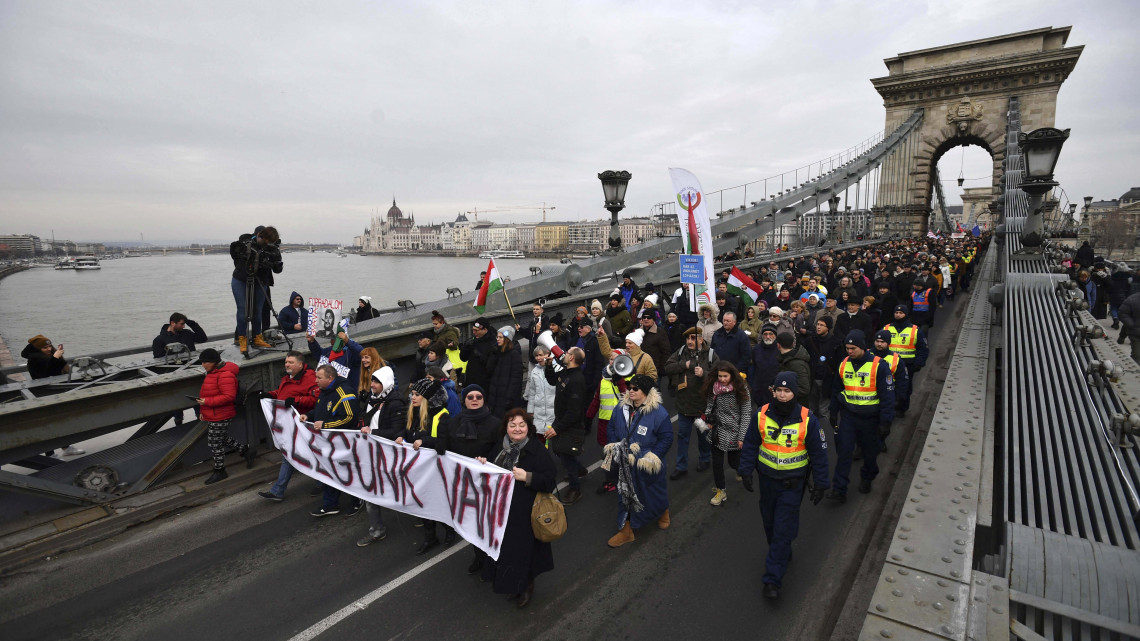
<point>219,393</point>
<point>268,258</point>
<point>649,428</point>
<point>752,326</point>
<point>453,405</point>
<point>675,333</point>
<point>656,346</point>
<point>860,321</point>
<point>570,401</point>
<point>681,307</point>
<point>42,365</point>
<point>337,406</point>
<point>729,419</point>
<point>708,326</point>
<point>602,323</point>
<point>477,352</point>
<point>1085,255</point>
<point>765,366</point>
<point>540,398</point>
<point>446,334</point>
<point>1129,315</point>
<point>593,365</point>
<point>366,313</point>
<point>488,432</point>
<point>733,347</point>
<point>301,388</point>
<point>620,320</point>
<point>521,556</point>
<point>290,316</point>
<point>797,361</point>
<point>347,362</point>
<point>627,292</point>
<point>690,399</point>
<point>506,385</point>
<point>188,336</point>
<point>642,363</point>
<point>825,353</point>
<point>386,416</point>
<point>1120,288</point>
<point>814,441</point>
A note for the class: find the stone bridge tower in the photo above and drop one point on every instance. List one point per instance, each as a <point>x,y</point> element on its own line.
<point>964,90</point>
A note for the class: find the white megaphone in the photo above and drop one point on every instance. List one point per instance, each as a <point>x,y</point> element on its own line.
<point>546,339</point>
<point>623,365</point>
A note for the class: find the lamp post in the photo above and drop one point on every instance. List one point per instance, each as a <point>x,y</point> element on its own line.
<point>614,184</point>
<point>1084,231</point>
<point>833,210</point>
<point>1040,148</point>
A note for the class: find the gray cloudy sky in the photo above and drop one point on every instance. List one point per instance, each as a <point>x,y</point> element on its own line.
<point>198,120</point>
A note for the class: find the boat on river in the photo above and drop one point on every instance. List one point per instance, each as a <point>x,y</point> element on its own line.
<point>65,263</point>
<point>502,253</point>
<point>87,263</point>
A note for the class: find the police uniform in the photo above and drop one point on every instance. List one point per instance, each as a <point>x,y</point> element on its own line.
<point>898,371</point>
<point>781,449</point>
<point>909,342</point>
<point>864,399</point>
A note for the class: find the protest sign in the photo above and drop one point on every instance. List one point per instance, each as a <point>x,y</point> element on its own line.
<point>327,312</point>
<point>472,497</point>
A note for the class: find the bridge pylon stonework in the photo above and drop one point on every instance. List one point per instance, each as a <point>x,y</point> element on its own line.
<point>964,91</point>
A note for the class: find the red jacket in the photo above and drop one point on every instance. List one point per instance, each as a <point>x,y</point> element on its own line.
<point>219,393</point>
<point>302,389</point>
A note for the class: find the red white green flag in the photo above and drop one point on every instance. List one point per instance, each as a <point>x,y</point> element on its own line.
<point>741,285</point>
<point>492,283</point>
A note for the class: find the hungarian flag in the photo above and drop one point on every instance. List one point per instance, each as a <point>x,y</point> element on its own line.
<point>492,283</point>
<point>741,285</point>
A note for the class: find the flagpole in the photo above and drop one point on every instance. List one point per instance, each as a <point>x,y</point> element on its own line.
<point>512,310</point>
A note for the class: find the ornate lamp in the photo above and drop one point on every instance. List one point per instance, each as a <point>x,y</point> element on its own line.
<point>1040,148</point>
<point>614,184</point>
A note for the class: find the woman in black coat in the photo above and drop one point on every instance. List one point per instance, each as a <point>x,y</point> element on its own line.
<point>521,556</point>
<point>505,388</point>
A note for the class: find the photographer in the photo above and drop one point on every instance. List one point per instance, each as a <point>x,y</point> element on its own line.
<point>256,257</point>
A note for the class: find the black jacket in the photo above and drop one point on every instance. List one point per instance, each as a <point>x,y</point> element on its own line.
<point>570,403</point>
<point>506,385</point>
<point>337,406</point>
<point>488,431</point>
<point>392,411</point>
<point>846,322</point>
<point>187,336</point>
<point>477,352</point>
<point>366,313</point>
<point>42,365</point>
<point>656,345</point>
<point>247,253</point>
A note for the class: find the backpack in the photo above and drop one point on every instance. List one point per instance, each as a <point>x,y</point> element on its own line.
<point>547,517</point>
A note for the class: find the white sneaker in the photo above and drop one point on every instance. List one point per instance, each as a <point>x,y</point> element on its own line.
<point>71,450</point>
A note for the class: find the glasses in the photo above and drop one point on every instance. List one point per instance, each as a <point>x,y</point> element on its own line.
<point>474,397</point>
<point>634,388</point>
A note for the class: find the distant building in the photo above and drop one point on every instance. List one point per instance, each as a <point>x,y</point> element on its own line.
<point>20,245</point>
<point>551,237</point>
<point>586,236</point>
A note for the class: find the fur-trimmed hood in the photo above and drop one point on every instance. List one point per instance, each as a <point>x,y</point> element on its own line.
<point>652,400</point>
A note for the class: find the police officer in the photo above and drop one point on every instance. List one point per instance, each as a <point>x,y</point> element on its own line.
<point>909,342</point>
<point>864,399</point>
<point>922,302</point>
<point>788,438</point>
<point>882,349</point>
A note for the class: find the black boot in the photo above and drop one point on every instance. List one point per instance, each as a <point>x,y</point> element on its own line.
<point>1115,323</point>
<point>524,598</point>
<point>449,538</point>
<point>247,452</point>
<point>219,474</point>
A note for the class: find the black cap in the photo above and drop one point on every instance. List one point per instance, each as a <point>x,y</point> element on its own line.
<point>883,335</point>
<point>857,338</point>
<point>209,355</point>
<point>902,308</point>
<point>785,340</point>
<point>788,380</point>
<point>643,382</point>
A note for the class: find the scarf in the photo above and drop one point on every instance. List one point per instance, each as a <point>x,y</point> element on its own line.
<point>780,410</point>
<point>509,456</point>
<point>621,455</point>
<point>469,421</point>
<point>720,388</point>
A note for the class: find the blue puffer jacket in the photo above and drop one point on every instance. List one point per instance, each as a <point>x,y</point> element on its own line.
<point>290,316</point>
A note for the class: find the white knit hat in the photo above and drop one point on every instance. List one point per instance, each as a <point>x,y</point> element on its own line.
<point>775,311</point>
<point>636,337</point>
<point>367,300</point>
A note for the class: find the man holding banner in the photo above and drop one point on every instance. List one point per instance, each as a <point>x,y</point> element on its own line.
<point>336,408</point>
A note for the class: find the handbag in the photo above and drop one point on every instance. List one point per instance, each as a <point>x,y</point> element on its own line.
<point>547,517</point>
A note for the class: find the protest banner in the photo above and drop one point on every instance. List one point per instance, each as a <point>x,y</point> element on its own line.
<point>472,497</point>
<point>327,312</point>
<point>696,232</point>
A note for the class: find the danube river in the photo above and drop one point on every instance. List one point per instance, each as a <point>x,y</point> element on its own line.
<point>125,303</point>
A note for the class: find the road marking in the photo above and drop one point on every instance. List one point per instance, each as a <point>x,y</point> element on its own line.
<point>368,599</point>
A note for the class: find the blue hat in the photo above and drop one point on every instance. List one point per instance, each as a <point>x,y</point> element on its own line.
<point>788,380</point>
<point>884,335</point>
<point>467,389</point>
<point>857,338</point>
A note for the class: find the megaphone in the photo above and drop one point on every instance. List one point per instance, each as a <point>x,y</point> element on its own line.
<point>546,339</point>
<point>623,365</point>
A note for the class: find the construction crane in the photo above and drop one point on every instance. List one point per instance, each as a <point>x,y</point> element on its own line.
<point>544,207</point>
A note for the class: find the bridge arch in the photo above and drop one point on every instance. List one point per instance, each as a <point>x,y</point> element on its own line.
<point>964,91</point>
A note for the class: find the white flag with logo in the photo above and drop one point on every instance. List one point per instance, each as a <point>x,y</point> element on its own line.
<point>696,231</point>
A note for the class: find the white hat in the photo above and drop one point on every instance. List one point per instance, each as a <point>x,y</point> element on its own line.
<point>367,300</point>
<point>651,299</point>
<point>636,337</point>
<point>775,310</point>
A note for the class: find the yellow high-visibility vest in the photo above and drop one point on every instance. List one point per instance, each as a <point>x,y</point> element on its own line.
<point>783,445</point>
<point>860,386</point>
<point>905,342</point>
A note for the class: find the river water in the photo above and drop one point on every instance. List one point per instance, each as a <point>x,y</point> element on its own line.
<point>125,303</point>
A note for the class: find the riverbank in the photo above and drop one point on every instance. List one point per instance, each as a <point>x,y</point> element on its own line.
<point>6,359</point>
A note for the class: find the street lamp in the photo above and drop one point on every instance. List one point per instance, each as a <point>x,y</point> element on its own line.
<point>1040,148</point>
<point>614,184</point>
<point>833,209</point>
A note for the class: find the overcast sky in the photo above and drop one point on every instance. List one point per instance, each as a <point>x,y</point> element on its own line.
<point>198,120</point>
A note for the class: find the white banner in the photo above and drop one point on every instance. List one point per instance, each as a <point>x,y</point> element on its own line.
<point>472,497</point>
<point>696,232</point>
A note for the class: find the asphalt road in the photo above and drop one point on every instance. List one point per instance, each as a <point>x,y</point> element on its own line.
<point>246,568</point>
